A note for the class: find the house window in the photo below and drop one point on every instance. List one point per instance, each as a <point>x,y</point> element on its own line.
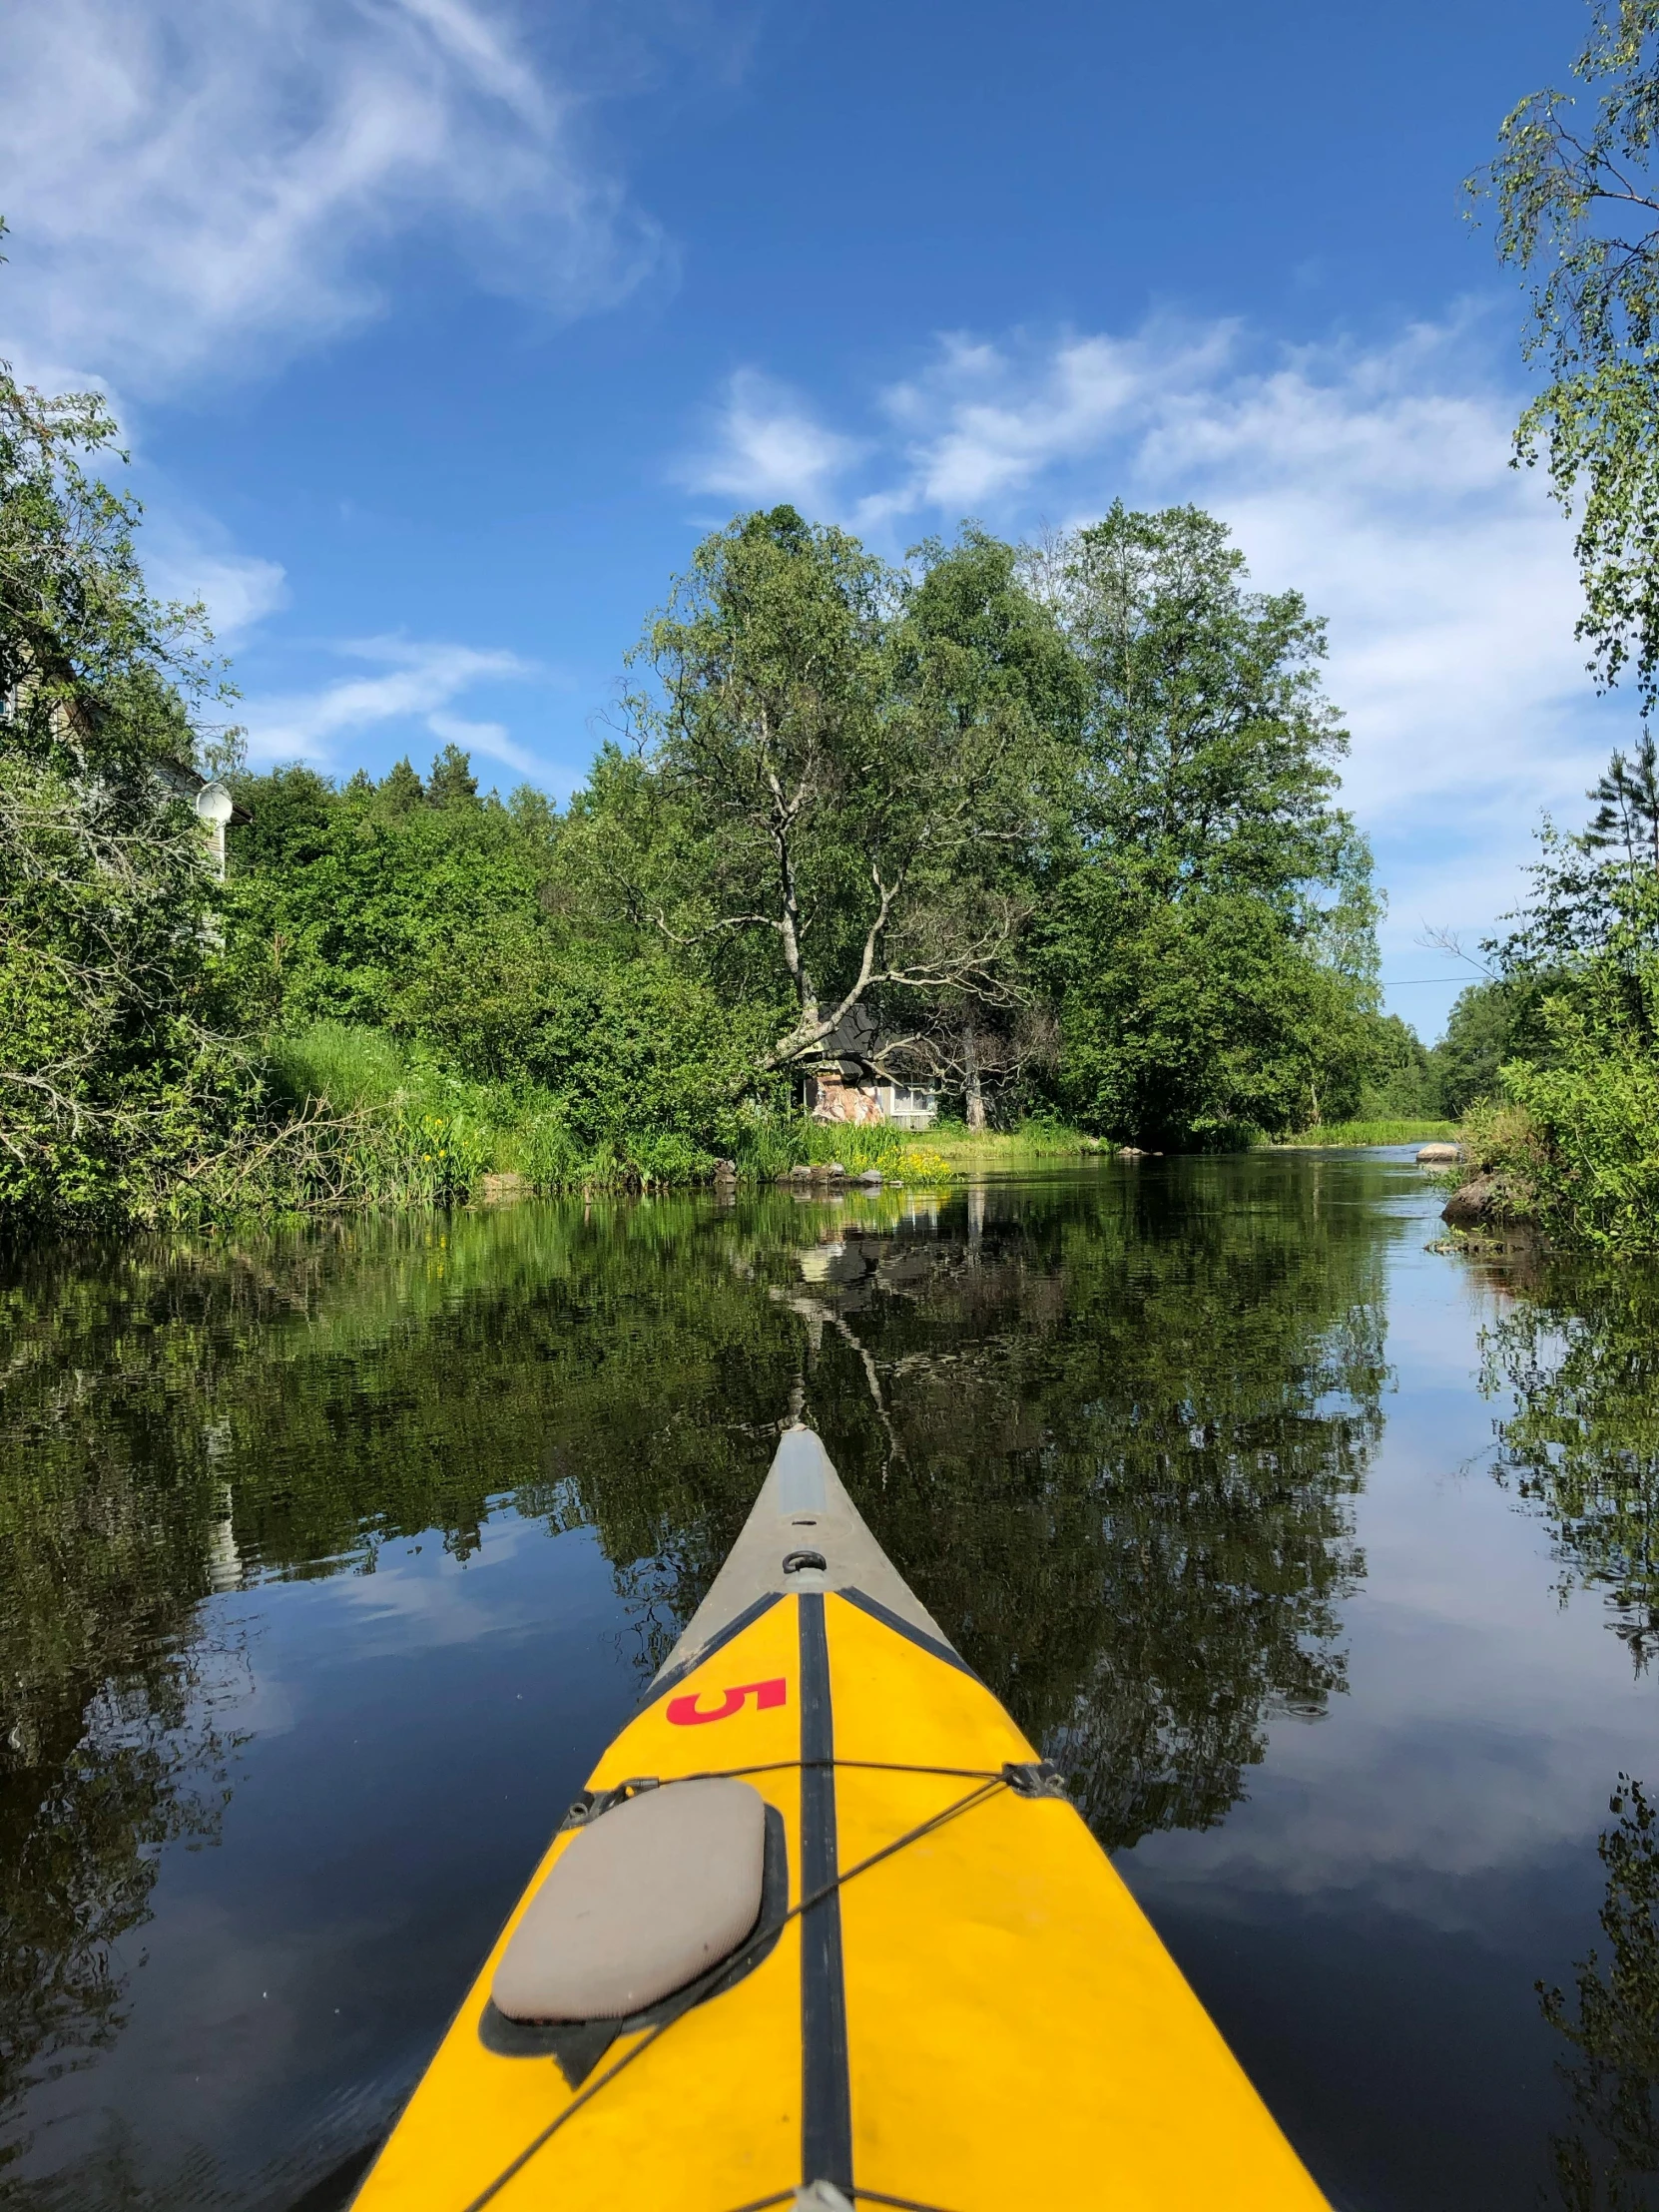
<point>908,1105</point>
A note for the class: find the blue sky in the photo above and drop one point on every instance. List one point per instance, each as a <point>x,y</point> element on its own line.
<point>442,329</point>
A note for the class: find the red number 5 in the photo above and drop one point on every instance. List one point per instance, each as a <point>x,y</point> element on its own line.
<point>684,1713</point>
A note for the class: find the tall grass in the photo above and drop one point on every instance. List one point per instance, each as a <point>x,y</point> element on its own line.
<point>411,1116</point>
<point>771,1145</point>
<point>1368,1132</point>
<point>346,1068</point>
<point>1030,1139</point>
<point>374,1130</point>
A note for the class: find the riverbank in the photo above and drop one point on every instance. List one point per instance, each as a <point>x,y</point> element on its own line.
<point>494,1138</point>
<point>991,1149</point>
<point>1348,1134</point>
<point>352,1119</point>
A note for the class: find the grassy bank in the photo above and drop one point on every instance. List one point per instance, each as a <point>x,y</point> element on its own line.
<point>415,1132</point>
<point>1370,1132</point>
<point>994,1149</point>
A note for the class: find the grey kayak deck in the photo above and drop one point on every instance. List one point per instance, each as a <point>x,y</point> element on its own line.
<point>802,1507</point>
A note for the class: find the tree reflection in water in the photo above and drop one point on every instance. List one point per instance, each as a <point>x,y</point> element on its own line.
<point>1115,1457</point>
<point>111,1692</point>
<point>1110,1426</point>
<point>1609,2160</point>
<point>1576,1350</point>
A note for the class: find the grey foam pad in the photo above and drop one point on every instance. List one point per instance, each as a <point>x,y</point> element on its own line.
<point>651,1894</point>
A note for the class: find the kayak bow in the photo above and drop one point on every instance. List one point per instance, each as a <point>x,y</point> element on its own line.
<point>822,1930</point>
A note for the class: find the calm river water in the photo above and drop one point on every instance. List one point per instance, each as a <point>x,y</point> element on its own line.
<point>1324,1563</point>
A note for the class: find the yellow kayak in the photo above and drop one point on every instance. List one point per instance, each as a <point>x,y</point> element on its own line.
<point>824,1931</point>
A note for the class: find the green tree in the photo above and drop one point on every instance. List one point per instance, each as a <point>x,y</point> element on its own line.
<point>993,651</point>
<point>1580,1001</point>
<point>288,811</point>
<point>337,905</point>
<point>1627,815</point>
<point>1482,1031</point>
<point>1215,949</point>
<point>400,789</point>
<point>825,765</point>
<point>446,926</point>
<point>1399,1079</point>
<point>115,1082</point>
<point>452,782</point>
<point>627,1048</point>
<point>1577,211</point>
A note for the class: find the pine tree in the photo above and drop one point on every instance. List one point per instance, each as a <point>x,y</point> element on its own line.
<point>1628,812</point>
<point>452,782</point>
<point>401,789</point>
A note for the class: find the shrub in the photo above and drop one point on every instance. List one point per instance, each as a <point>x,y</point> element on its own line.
<point>1585,1129</point>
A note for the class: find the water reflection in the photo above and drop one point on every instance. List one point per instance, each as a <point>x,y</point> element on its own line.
<point>111,1744</point>
<point>1608,2160</point>
<point>1574,1351</point>
<point>1113,1447</point>
<point>1111,1429</point>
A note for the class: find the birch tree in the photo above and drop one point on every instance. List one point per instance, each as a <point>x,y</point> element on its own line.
<point>1576,201</point>
<point>834,770</point>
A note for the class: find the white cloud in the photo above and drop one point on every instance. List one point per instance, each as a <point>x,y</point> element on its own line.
<point>415,681</point>
<point>489,738</point>
<point>203,183</point>
<point>980,429</point>
<point>194,564</point>
<point>767,447</point>
<point>1374,481</point>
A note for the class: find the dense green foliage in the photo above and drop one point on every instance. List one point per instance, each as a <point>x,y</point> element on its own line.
<point>1578,211</point>
<point>843,786</point>
<point>132,1087</point>
<point>1563,1042</point>
<point>441,925</point>
<point>1204,986</point>
<point>1563,1047</point>
<point>112,1081</point>
<point>1059,833</point>
<point>1054,834</point>
<point>1482,1031</point>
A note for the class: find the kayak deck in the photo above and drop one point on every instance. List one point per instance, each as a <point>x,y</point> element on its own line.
<point>961,2007</point>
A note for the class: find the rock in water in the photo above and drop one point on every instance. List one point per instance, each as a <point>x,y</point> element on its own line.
<point>1488,1202</point>
<point>1439,1155</point>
